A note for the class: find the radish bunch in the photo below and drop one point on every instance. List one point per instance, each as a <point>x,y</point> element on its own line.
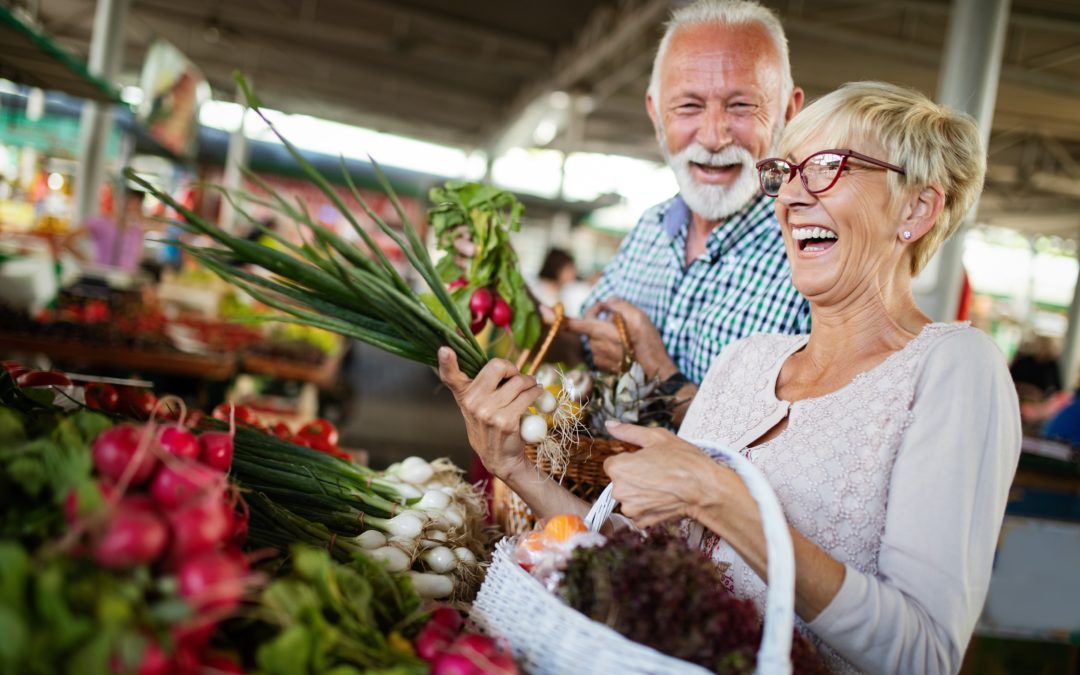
<point>161,499</point>
<point>450,651</point>
<point>485,304</point>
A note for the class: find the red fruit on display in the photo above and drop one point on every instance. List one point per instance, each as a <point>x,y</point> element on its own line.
<point>43,378</point>
<point>178,441</point>
<point>216,450</point>
<point>115,448</point>
<point>136,402</point>
<point>102,396</point>
<point>132,537</point>
<point>243,414</point>
<point>451,663</point>
<point>281,430</point>
<point>320,429</point>
<point>460,282</point>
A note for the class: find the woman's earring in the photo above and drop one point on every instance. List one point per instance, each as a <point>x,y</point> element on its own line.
<point>907,234</point>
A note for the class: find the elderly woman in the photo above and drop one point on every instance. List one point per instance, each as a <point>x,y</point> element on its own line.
<point>890,440</point>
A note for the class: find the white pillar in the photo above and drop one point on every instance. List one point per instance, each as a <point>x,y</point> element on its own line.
<point>969,79</point>
<point>1070,349</point>
<point>235,161</point>
<point>106,57</point>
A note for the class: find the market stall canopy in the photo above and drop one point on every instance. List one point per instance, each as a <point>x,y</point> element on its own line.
<point>28,56</point>
<point>487,75</point>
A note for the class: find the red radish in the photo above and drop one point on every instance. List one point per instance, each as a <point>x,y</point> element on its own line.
<point>194,635</point>
<point>460,282</point>
<point>501,314</point>
<point>432,641</point>
<point>474,644</point>
<point>212,580</point>
<point>480,303</point>
<point>193,419</point>
<point>478,325</point>
<point>502,663</point>
<point>132,537</point>
<point>455,664</point>
<point>176,440</point>
<point>447,617</point>
<point>173,486</point>
<point>199,526</point>
<point>115,448</point>
<point>216,450</point>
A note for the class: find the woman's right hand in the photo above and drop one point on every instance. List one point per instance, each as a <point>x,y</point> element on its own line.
<point>492,405</point>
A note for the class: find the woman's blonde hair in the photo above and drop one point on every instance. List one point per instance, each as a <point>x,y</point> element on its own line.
<point>933,144</point>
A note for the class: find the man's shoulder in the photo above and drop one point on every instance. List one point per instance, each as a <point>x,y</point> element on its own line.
<point>652,218</point>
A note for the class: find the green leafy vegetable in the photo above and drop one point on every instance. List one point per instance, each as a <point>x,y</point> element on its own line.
<point>487,215</point>
<point>339,618</point>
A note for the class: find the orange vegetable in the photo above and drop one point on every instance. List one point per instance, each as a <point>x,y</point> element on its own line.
<point>561,528</point>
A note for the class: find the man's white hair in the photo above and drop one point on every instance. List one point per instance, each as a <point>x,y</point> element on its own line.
<point>726,13</point>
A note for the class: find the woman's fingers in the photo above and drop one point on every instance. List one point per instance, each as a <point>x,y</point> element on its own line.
<point>637,435</point>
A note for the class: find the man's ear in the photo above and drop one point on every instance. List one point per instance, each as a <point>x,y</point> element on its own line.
<point>795,104</point>
<point>650,107</point>
<point>920,212</point>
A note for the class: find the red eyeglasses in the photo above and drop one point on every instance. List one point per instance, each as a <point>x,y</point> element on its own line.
<point>818,172</point>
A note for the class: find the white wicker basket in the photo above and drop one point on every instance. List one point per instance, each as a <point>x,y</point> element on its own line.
<point>550,638</point>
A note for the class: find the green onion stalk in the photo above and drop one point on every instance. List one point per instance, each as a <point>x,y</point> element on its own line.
<point>328,282</point>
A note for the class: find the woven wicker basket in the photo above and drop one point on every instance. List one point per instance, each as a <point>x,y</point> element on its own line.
<point>584,477</point>
<point>550,638</point>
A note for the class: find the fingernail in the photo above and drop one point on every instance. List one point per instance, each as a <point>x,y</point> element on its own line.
<point>444,353</point>
<point>611,424</point>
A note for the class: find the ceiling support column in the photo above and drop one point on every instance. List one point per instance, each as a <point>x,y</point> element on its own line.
<point>106,55</point>
<point>968,82</point>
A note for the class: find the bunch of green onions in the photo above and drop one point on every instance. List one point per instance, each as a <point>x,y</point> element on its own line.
<point>328,282</point>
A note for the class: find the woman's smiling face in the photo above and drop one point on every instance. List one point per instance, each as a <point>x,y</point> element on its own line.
<point>843,241</point>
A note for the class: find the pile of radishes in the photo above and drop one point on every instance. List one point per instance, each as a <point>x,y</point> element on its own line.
<point>486,304</point>
<point>164,502</point>
<point>452,651</point>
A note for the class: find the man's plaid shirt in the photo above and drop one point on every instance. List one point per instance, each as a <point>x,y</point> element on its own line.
<point>741,285</point>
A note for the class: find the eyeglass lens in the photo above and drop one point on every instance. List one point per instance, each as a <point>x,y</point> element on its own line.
<point>818,172</point>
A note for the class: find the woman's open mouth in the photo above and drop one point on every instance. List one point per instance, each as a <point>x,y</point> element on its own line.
<point>813,239</point>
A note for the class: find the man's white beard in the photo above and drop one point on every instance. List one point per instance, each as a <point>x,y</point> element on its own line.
<point>714,202</point>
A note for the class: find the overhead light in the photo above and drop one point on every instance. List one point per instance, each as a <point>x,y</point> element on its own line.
<point>35,104</point>
<point>545,131</point>
<point>131,95</point>
<point>559,100</point>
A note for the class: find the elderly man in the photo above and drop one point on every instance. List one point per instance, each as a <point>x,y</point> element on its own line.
<point>706,267</point>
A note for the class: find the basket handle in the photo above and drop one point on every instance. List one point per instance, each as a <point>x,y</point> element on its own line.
<point>774,654</point>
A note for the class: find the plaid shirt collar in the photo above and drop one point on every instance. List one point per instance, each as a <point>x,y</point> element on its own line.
<point>675,222</point>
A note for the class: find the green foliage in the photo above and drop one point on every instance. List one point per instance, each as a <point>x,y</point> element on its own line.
<point>338,618</point>
<point>43,456</point>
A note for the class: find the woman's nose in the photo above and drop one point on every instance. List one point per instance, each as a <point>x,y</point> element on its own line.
<point>794,193</point>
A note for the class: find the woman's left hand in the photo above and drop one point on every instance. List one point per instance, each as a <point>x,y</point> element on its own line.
<point>667,478</point>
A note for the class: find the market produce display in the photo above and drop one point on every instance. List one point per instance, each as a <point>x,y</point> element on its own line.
<point>125,548</point>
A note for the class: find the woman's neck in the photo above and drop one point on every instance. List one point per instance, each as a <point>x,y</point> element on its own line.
<point>878,321</point>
